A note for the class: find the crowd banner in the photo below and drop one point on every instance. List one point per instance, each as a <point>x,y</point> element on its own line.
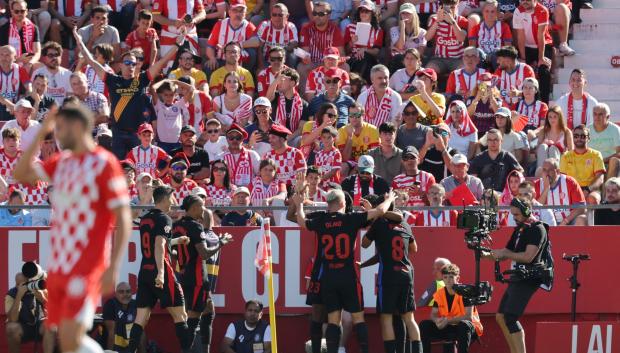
<point>293,249</point>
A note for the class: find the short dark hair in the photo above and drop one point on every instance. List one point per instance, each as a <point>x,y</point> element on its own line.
<point>277,48</point>
<point>236,44</point>
<point>507,52</point>
<point>106,50</point>
<point>189,201</point>
<point>387,127</point>
<point>330,130</point>
<point>51,45</point>
<point>449,2</point>
<point>268,162</point>
<point>161,192</point>
<point>356,105</point>
<point>145,15</point>
<point>167,85</point>
<point>451,269</point>
<point>292,74</point>
<point>312,170</point>
<point>255,302</point>
<point>581,127</point>
<point>98,9</point>
<point>39,76</point>
<point>16,193</point>
<point>75,112</point>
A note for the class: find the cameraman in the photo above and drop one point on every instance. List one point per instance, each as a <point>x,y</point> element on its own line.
<point>25,312</point>
<point>525,247</point>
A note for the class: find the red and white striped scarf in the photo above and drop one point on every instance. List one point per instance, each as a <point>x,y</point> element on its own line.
<point>244,111</point>
<point>467,126</point>
<point>16,42</point>
<point>260,191</point>
<point>357,190</point>
<point>240,169</point>
<point>296,110</point>
<point>570,111</point>
<point>378,112</point>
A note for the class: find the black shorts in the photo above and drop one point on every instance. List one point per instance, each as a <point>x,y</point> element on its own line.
<point>196,295</point>
<point>31,333</point>
<point>342,293</point>
<point>313,296</point>
<point>517,296</point>
<point>171,295</point>
<point>395,299</point>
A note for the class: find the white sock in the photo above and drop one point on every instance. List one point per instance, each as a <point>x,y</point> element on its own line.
<point>88,345</point>
<point>342,350</point>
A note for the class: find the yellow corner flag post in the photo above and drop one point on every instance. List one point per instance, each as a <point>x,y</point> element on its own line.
<point>265,266</point>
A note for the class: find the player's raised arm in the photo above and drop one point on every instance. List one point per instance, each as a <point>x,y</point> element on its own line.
<point>382,208</point>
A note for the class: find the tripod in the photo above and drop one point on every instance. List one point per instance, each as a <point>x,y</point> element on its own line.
<point>574,283</point>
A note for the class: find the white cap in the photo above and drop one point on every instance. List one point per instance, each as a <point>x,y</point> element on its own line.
<point>262,101</point>
<point>240,190</point>
<point>366,164</point>
<point>459,159</point>
<point>199,191</point>
<point>143,175</point>
<point>24,103</point>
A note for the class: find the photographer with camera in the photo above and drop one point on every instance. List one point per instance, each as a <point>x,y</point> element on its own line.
<point>25,312</point>
<point>527,248</point>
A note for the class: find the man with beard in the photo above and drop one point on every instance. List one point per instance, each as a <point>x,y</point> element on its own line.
<point>58,77</point>
<point>177,178</point>
<point>232,55</point>
<point>510,74</point>
<point>356,138</point>
<point>493,165</point>
<point>381,103</point>
<point>39,98</point>
<point>118,314</point>
<point>609,216</point>
<point>365,182</point>
<point>187,60</point>
<point>198,158</point>
<point>584,164</point>
<point>243,164</point>
<point>413,181</point>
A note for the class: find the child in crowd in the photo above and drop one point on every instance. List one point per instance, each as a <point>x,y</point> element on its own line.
<point>171,115</point>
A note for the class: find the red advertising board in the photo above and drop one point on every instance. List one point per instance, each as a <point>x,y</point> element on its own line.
<point>578,337</point>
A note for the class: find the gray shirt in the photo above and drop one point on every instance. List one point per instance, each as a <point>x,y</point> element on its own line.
<point>414,137</point>
<point>473,183</point>
<point>387,168</point>
<point>109,36</point>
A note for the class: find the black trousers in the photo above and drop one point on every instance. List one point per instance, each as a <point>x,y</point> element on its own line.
<point>543,73</point>
<point>464,333</point>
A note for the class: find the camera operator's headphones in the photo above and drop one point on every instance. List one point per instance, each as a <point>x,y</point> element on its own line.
<point>525,209</point>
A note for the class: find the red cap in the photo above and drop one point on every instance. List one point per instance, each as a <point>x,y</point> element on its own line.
<point>239,129</point>
<point>279,130</point>
<point>333,73</point>
<point>331,52</point>
<point>145,127</point>
<point>430,73</point>
<point>237,3</point>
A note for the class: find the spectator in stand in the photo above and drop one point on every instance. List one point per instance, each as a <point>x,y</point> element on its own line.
<point>358,85</point>
<point>387,157</point>
<point>198,158</point>
<point>562,190</point>
<point>66,16</point>
<point>199,103</point>
<point>410,133</point>
<point>129,170</point>
<point>234,28</point>
<point>258,131</point>
<point>485,103</point>
<point>21,34</point>
<point>220,188</point>
<point>381,103</point>
<point>577,104</point>
<point>511,74</point>
<point>144,186</point>
<point>248,334</point>
<point>178,19</point>
<point>436,196</point>
<point>462,82</point>
<point>609,216</point>
<point>585,165</point>
<point>531,24</point>
<point>171,115</point>
<point>365,182</point>
<point>49,146</point>
<point>326,116</point>
<point>315,84</point>
<point>313,180</point>
<point>363,56</point>
<point>506,9</point>
<point>356,138</point>
<point>57,76</point>
<point>38,13</point>
<point>413,181</point>
<point>122,15</point>
<point>463,132</point>
<point>243,163</point>
<point>435,155</point>
<point>41,102</point>
<point>95,102</point>
<point>511,189</point>
<point>104,54</point>
<point>335,95</point>
<point>118,314</point>
<point>212,141</point>
<point>511,141</point>
<point>316,37</point>
<point>233,106</point>
<point>277,32</point>
<point>232,54</point>
<point>242,217</point>
<point>605,138</point>
<point>460,167</point>
<point>147,157</point>
<point>215,11</point>
<point>187,61</point>
<point>527,191</point>
<point>491,34</point>
<point>493,165</point>
<point>289,109</point>
<point>328,159</point>
<point>401,81</point>
<point>387,11</point>
<point>28,128</point>
<point>430,102</point>
<point>145,37</point>
<point>127,105</point>
<point>560,16</point>
<point>100,32</point>
<point>266,186</point>
<point>530,107</point>
<point>406,36</point>
<point>554,138</point>
<point>449,31</point>
<point>275,57</point>
<point>290,160</point>
<point>9,153</point>
<point>15,217</point>
<point>177,179</point>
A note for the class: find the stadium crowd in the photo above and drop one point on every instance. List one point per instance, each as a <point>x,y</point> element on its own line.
<point>237,102</point>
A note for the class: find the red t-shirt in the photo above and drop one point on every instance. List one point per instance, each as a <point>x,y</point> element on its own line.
<point>529,22</point>
<point>133,40</point>
<point>317,41</point>
<point>446,44</point>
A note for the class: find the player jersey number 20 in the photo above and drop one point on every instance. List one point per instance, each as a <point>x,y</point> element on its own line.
<point>336,247</point>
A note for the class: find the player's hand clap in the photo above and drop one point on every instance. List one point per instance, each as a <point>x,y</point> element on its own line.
<point>365,204</point>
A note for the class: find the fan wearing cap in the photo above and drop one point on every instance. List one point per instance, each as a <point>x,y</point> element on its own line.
<point>242,218</point>
<point>232,55</point>
<point>186,61</point>
<point>243,163</point>
<point>430,102</point>
<point>449,31</point>
<point>414,181</point>
<point>147,157</point>
<point>364,55</point>
<point>335,95</point>
<point>365,182</point>
<point>493,165</point>
<point>316,78</point>
<point>462,82</point>
<point>177,177</point>
<point>289,109</point>
<point>27,127</point>
<point>460,167</point>
<point>258,131</point>
<point>266,76</point>
<point>178,18</point>
<point>381,103</point>
<point>198,158</point>
<point>289,160</point>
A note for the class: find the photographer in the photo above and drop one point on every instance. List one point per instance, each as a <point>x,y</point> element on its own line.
<point>526,248</point>
<point>25,312</point>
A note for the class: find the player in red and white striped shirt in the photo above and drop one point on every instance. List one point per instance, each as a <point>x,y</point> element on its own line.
<point>290,161</point>
<point>463,81</point>
<point>490,34</point>
<point>315,84</point>
<point>414,181</point>
<point>511,74</point>
<point>449,30</point>
<point>147,157</point>
<point>329,159</point>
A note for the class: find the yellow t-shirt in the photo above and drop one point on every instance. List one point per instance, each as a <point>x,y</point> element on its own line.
<point>198,75</point>
<point>583,167</point>
<point>217,79</point>
<point>430,118</point>
<point>367,139</point>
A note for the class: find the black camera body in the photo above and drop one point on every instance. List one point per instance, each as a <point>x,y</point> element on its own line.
<point>35,276</point>
<point>476,294</point>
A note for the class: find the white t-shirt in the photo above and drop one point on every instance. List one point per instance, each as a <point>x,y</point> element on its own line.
<point>26,136</point>
<point>546,216</point>
<point>510,142</point>
<point>232,333</point>
<point>400,79</point>
<point>562,102</point>
<point>58,84</point>
<point>170,120</point>
<point>395,103</point>
<point>461,143</point>
<point>216,149</point>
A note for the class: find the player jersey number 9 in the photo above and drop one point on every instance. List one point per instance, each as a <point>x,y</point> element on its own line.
<point>146,236</point>
<point>336,247</point>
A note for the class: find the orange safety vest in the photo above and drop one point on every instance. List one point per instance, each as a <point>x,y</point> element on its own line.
<point>457,309</point>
